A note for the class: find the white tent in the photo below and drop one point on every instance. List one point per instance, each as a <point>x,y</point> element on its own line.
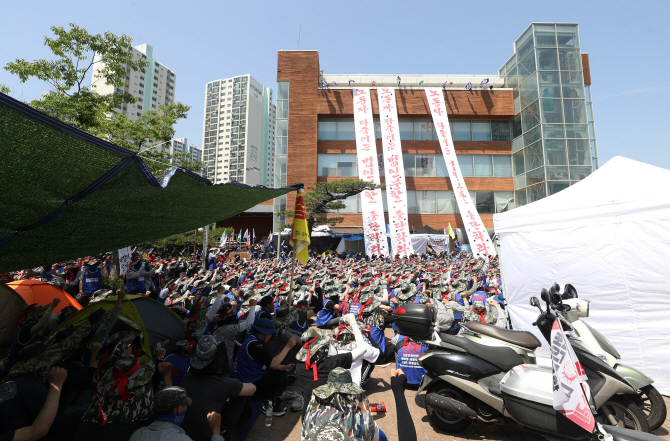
<point>609,236</point>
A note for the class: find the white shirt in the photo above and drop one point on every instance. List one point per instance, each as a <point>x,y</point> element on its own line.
<point>371,355</point>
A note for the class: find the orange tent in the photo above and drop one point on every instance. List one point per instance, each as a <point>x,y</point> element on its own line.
<point>35,291</point>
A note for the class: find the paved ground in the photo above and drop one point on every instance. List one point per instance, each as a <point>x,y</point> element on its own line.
<point>288,427</point>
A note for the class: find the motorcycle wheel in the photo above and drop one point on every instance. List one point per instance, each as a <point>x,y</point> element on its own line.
<point>448,423</point>
<point>650,401</point>
<point>627,414</point>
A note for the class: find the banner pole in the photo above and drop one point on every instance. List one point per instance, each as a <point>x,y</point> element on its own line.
<point>290,296</point>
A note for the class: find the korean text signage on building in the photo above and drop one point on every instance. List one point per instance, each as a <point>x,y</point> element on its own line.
<point>394,171</point>
<point>374,224</point>
<point>474,227</point>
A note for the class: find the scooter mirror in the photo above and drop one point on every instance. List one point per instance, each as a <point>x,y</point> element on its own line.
<point>536,303</point>
<point>555,289</point>
<point>545,295</point>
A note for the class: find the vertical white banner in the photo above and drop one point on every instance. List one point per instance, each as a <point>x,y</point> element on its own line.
<point>394,171</point>
<point>374,224</point>
<point>474,227</point>
<point>124,260</point>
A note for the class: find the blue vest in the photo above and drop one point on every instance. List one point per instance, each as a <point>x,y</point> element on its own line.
<point>135,285</point>
<point>407,360</point>
<point>300,329</point>
<point>324,316</point>
<point>46,276</point>
<point>179,367</point>
<point>92,282</point>
<point>248,369</point>
<point>479,296</point>
<point>459,315</point>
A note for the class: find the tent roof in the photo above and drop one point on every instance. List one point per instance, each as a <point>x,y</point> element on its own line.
<point>156,321</point>
<point>68,194</point>
<point>36,291</point>
<point>11,306</point>
<point>621,190</point>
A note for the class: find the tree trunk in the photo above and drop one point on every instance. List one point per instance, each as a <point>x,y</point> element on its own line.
<point>115,270</point>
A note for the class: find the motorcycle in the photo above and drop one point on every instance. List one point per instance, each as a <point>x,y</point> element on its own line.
<point>572,309</point>
<point>465,381</point>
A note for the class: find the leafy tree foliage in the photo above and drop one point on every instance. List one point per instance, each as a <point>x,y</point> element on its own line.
<point>76,54</point>
<point>324,198</point>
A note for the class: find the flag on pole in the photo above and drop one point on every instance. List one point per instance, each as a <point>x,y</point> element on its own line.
<point>451,232</point>
<point>269,238</point>
<point>253,234</point>
<point>247,239</point>
<point>300,231</point>
<point>570,387</point>
<point>239,237</point>
<point>224,237</point>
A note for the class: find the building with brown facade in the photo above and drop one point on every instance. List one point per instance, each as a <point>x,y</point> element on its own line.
<point>521,134</point>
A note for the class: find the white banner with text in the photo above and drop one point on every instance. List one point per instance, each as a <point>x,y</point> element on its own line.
<point>394,172</point>
<point>374,224</point>
<point>474,227</point>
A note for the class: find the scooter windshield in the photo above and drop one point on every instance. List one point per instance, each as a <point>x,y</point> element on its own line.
<point>603,342</point>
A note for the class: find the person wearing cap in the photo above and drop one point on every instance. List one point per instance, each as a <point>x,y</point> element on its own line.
<point>364,352</point>
<point>315,363</point>
<point>210,389</point>
<point>170,405</point>
<point>90,280</point>
<point>30,324</point>
<point>46,274</point>
<point>134,277</point>
<point>255,365</point>
<point>344,403</point>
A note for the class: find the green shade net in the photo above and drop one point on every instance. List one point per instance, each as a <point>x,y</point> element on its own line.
<point>67,194</point>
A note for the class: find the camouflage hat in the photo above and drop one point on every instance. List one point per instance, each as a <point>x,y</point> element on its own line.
<point>122,401</point>
<point>316,342</point>
<point>339,382</point>
<point>166,400</point>
<point>100,294</point>
<point>283,318</point>
<point>184,347</point>
<point>205,351</point>
<point>328,431</point>
<point>406,291</point>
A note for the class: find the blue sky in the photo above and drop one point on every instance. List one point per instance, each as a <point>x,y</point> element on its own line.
<point>201,41</point>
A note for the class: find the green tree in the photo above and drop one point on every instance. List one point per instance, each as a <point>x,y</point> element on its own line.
<point>76,54</point>
<point>323,198</point>
<point>4,89</point>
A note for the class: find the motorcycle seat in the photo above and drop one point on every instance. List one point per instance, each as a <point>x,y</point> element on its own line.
<point>524,339</point>
<point>504,358</point>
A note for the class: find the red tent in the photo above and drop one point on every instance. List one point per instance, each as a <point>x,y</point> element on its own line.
<point>35,291</point>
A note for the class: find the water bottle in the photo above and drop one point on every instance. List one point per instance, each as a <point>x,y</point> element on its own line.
<point>268,414</point>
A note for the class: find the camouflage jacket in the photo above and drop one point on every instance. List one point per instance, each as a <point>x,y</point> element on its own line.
<point>351,412</point>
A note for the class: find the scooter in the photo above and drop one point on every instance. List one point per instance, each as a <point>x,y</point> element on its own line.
<point>464,380</point>
<point>648,398</point>
<point>572,309</point>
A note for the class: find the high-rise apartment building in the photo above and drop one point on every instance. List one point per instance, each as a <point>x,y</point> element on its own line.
<point>180,145</point>
<point>239,131</point>
<point>153,87</point>
<point>522,134</point>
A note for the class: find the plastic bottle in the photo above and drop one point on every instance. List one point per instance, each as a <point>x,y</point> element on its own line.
<point>268,414</point>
